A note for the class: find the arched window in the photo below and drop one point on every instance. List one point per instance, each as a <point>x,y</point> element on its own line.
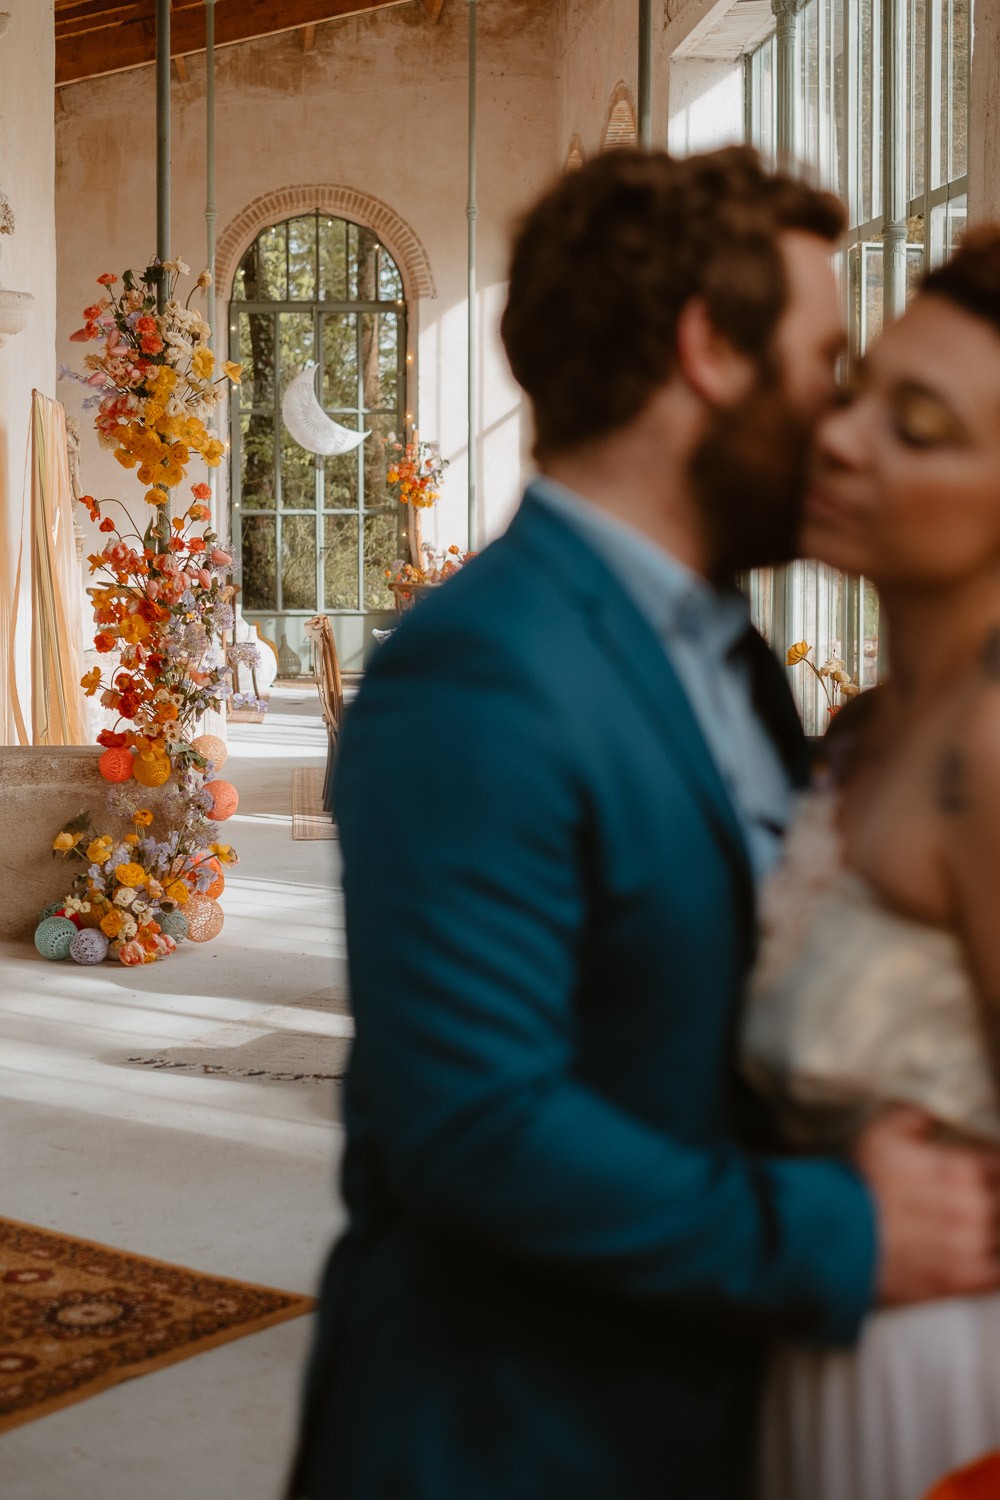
<point>574,157</point>
<point>620,128</point>
<point>317,534</point>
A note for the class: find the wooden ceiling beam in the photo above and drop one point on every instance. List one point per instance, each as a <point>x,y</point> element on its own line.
<point>130,41</point>
<point>308,37</point>
<point>180,63</point>
<point>433,9</point>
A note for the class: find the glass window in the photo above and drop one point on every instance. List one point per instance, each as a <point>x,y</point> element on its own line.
<point>841,50</point>
<point>317,533</point>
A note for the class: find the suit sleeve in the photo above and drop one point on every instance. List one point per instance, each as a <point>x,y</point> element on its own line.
<point>460,824</point>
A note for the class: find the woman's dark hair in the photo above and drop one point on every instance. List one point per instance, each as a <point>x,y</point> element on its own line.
<point>971,278</point>
<point>604,263</point>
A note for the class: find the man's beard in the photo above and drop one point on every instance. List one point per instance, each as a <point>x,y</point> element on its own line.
<point>749,475</point>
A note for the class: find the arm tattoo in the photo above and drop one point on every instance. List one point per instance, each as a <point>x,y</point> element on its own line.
<point>952,784</point>
<point>991,656</point>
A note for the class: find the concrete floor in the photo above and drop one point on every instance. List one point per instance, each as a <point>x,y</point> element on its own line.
<point>225,1174</point>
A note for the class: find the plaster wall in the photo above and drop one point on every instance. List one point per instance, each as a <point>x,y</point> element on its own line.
<point>379,104</point>
<point>27,264</point>
<point>984,113</point>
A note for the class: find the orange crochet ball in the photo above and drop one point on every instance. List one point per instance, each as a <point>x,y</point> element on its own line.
<point>204,918</point>
<point>218,885</point>
<point>116,765</point>
<point>225,800</point>
<point>212,748</point>
<point>153,771</point>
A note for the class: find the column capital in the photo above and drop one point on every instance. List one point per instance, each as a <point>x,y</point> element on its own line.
<point>787,10</point>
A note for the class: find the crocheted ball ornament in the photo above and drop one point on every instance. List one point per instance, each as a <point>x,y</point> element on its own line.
<point>225,800</point>
<point>54,936</point>
<point>116,765</point>
<point>89,947</point>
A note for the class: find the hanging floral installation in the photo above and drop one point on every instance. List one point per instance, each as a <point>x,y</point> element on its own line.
<point>161,604</point>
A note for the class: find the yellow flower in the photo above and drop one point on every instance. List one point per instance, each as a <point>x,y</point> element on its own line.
<point>111,924</point>
<point>131,874</point>
<point>233,371</point>
<point>223,852</point>
<point>91,682</point>
<point>156,496</point>
<point>98,850</point>
<point>131,839</point>
<point>214,451</point>
<point>63,842</point>
<point>797,653</point>
<point>142,817</point>
<point>203,363</point>
<point>177,891</point>
<point>134,629</point>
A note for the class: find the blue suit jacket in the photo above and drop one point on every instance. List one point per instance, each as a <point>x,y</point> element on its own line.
<point>562,1266</point>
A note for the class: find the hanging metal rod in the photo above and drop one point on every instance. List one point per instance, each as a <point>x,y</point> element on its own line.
<point>472,214</point>
<point>646,73</point>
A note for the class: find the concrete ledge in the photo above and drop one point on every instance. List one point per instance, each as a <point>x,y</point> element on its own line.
<point>40,790</point>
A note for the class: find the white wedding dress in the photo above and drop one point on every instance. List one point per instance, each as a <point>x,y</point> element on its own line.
<point>853,1007</point>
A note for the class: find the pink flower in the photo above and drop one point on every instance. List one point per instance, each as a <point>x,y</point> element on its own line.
<point>204,578</point>
<point>153,589</point>
<point>220,558</point>
<point>131,953</point>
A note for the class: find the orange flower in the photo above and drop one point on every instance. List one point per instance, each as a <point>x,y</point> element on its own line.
<point>104,642</point>
<point>112,923</point>
<point>201,491</point>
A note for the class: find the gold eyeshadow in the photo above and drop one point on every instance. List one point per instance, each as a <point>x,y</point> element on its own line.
<point>924,420</point>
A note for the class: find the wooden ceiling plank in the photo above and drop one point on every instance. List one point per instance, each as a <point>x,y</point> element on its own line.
<point>180,63</point>
<point>308,37</point>
<point>433,9</point>
<point>131,44</point>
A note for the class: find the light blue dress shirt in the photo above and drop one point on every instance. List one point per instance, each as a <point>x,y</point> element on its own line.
<point>700,630</point>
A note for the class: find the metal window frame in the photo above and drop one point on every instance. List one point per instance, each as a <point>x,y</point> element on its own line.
<point>318,310</point>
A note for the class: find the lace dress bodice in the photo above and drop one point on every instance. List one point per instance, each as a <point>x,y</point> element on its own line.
<point>853,1006</point>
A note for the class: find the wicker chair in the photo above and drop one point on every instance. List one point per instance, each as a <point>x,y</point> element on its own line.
<point>329,684</point>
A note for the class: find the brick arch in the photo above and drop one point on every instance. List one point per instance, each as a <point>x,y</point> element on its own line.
<point>339,202</point>
<point>621,122</point>
<point>575,155</point>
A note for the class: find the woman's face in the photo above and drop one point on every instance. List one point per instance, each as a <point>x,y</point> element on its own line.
<point>906,487</point>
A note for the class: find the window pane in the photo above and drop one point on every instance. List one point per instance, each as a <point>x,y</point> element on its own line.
<point>382,549</point>
<point>332,260</point>
<point>271,278</point>
<point>340,481</point>
<point>379,359</point>
<point>295,335</point>
<point>298,477</point>
<point>340,362</point>
<point>256,355</point>
<point>961,27</point>
<point>256,461</point>
<point>298,562</point>
<point>916,94</point>
<point>367,265</point>
<point>341,562</point>
<point>302,259</point>
<point>260,586</point>
<point>390,283</point>
<point>376,454</point>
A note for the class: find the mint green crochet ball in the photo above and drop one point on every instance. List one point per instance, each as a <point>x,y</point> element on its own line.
<point>53,937</point>
<point>50,910</point>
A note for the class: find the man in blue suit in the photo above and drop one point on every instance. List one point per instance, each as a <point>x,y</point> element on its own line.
<point>560,783</point>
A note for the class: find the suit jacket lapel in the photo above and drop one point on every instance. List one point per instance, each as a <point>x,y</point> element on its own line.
<point>626,636</point>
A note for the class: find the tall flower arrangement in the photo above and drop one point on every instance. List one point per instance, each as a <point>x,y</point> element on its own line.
<point>415,472</point>
<point>161,605</point>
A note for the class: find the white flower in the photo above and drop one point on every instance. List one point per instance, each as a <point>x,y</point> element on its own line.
<point>129,928</point>
<point>125,896</point>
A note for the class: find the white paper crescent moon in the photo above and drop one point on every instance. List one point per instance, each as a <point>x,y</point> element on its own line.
<point>309,424</point>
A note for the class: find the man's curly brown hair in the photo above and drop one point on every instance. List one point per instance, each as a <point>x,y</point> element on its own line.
<point>604,263</point>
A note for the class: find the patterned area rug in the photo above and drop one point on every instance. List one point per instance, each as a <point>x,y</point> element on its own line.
<point>76,1318</point>
<point>309,821</point>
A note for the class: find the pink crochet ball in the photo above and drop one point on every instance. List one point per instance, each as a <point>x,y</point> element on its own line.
<point>212,748</point>
<point>204,918</point>
<point>225,800</point>
<point>116,765</point>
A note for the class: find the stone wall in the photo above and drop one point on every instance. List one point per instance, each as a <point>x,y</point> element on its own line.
<point>40,791</point>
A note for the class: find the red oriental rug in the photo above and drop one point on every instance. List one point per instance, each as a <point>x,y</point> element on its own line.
<point>76,1318</point>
